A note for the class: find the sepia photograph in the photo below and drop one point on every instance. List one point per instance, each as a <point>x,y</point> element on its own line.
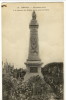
<point>33,51</point>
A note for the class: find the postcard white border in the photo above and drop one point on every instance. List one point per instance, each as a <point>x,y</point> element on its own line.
<point>64,39</point>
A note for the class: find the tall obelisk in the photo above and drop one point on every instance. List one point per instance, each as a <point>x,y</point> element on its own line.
<point>33,62</point>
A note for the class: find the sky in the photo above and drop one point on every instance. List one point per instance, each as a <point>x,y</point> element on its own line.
<point>16,33</point>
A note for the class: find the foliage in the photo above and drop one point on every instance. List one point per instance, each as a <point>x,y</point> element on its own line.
<point>7,86</point>
<point>53,75</point>
<point>36,88</point>
<point>19,73</point>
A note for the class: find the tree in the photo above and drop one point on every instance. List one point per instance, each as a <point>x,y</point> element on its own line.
<point>53,75</point>
<point>7,86</point>
<point>35,89</point>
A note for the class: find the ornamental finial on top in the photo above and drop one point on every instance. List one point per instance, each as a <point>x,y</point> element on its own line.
<point>33,15</point>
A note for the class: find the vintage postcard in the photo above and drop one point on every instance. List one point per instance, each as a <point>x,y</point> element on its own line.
<point>32,51</point>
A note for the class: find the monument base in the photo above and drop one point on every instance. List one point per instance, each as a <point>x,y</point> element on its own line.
<point>29,74</point>
<point>33,69</point>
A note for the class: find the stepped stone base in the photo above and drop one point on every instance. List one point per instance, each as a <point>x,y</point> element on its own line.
<point>28,75</point>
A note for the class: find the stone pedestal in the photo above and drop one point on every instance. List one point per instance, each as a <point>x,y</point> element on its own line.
<point>33,69</point>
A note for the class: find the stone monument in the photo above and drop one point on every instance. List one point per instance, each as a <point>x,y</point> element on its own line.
<point>33,62</point>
